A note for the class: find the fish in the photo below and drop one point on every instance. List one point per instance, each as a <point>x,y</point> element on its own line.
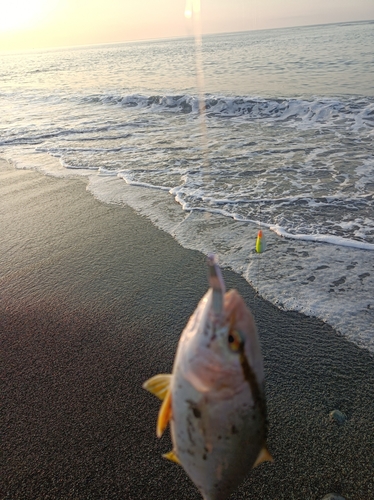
<point>214,399</point>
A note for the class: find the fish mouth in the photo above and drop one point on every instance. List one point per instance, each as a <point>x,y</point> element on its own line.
<point>221,323</point>
<point>218,287</point>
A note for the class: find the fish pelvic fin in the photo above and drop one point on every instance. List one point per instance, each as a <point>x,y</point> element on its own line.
<point>164,414</point>
<point>263,456</point>
<point>158,385</point>
<point>172,457</point>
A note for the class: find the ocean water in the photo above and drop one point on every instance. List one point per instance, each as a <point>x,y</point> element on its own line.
<point>286,145</point>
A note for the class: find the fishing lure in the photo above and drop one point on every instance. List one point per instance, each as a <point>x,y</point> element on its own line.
<point>260,242</point>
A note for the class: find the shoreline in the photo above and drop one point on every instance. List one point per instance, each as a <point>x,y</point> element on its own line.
<point>331,283</point>
<point>93,299</point>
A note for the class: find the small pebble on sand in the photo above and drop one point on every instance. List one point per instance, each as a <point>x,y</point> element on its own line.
<point>338,417</point>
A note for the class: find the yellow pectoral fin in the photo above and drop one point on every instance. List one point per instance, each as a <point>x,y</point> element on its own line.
<point>158,385</point>
<point>264,456</point>
<point>172,456</point>
<point>164,415</point>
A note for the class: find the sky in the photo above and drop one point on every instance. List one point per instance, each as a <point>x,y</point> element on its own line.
<point>34,24</point>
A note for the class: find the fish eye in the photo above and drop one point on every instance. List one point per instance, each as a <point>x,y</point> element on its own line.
<point>235,340</point>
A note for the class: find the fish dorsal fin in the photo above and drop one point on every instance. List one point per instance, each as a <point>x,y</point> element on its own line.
<point>172,456</point>
<point>263,456</point>
<point>158,385</point>
<point>164,414</point>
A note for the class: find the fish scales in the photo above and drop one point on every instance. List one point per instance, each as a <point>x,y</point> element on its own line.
<point>215,397</point>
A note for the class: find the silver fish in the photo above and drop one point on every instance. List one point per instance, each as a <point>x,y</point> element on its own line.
<point>214,398</point>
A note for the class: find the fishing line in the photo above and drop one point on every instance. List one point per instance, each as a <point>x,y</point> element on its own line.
<point>192,14</point>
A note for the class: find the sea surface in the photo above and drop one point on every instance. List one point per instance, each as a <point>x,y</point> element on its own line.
<point>286,145</point>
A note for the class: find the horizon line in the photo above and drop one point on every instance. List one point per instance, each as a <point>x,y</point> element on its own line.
<point>177,37</point>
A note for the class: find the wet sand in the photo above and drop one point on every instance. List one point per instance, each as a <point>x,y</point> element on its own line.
<point>93,299</point>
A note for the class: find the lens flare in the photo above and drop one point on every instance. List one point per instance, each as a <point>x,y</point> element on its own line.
<point>193,7</point>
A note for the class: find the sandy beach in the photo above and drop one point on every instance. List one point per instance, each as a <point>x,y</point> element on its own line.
<point>93,299</point>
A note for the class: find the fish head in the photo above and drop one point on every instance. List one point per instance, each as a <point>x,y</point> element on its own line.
<point>218,337</point>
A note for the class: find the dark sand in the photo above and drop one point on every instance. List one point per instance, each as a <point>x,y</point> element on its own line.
<point>93,299</point>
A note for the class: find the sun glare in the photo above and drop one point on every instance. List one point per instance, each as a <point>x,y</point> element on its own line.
<point>192,7</point>
<point>20,14</point>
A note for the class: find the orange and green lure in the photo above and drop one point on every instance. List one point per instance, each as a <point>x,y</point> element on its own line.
<point>260,242</point>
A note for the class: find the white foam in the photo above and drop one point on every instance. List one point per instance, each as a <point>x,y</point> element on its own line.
<point>128,178</point>
<point>26,159</point>
<point>323,238</point>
